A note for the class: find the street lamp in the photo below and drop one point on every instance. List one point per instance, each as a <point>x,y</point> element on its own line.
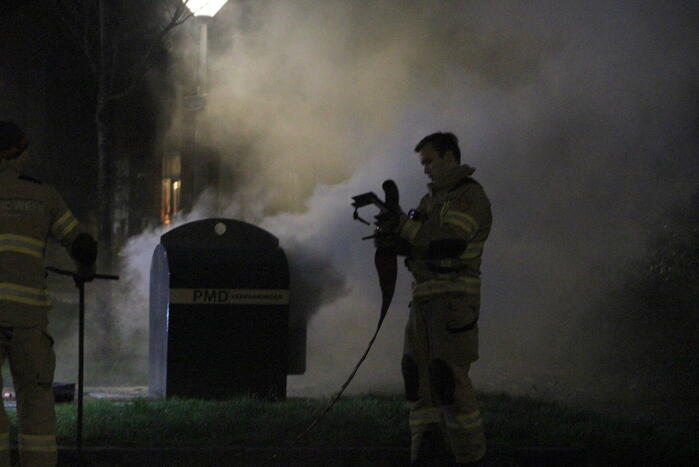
<point>194,179</point>
<point>205,7</point>
<point>204,10</point>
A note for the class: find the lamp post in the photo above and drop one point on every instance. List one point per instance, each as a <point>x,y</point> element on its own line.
<point>205,10</point>
<point>193,174</point>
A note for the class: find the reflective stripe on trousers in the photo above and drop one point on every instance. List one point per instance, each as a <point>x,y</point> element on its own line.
<point>32,364</point>
<point>422,421</point>
<point>463,430</point>
<point>466,436</point>
<point>441,338</point>
<point>463,421</point>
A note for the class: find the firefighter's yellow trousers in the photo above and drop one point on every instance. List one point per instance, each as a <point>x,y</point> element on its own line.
<point>32,363</point>
<point>441,342</point>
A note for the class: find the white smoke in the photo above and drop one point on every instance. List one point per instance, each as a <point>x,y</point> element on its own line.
<point>580,120</point>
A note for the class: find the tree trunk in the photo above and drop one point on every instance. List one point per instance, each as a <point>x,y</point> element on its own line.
<point>105,187</point>
<point>108,340</point>
<point>105,195</point>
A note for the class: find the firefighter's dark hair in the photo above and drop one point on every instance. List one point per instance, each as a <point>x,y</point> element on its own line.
<point>441,142</point>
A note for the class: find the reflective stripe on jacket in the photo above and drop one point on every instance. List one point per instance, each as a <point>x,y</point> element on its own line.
<point>30,213</point>
<point>455,209</point>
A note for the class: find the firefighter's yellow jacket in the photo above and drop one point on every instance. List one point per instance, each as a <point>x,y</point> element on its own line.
<point>455,209</point>
<point>30,213</point>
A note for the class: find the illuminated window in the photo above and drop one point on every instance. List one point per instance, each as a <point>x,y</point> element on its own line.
<point>176,196</point>
<point>171,196</point>
<point>166,201</point>
<point>171,188</point>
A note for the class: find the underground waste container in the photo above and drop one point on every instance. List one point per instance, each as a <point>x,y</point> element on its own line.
<point>219,312</point>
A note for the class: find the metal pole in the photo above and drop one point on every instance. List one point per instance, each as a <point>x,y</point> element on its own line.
<point>81,361</point>
<point>203,51</point>
<point>200,164</point>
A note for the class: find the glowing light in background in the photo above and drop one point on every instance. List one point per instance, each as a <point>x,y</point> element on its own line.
<point>205,7</point>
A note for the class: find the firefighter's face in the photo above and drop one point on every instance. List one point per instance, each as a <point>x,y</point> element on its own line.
<point>434,165</point>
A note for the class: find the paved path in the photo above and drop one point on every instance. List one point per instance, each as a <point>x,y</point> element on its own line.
<point>301,456</point>
<point>238,456</point>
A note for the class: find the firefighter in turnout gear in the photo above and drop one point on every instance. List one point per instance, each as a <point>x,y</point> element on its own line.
<point>30,213</point>
<point>443,241</point>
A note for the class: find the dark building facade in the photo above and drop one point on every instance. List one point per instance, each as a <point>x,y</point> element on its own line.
<point>47,87</point>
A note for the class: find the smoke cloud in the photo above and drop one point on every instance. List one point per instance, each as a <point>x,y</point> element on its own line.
<point>581,119</point>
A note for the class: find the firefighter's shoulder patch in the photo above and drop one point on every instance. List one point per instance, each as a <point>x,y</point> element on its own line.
<point>30,179</point>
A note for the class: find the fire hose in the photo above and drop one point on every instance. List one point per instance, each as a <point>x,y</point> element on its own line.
<point>386,262</point>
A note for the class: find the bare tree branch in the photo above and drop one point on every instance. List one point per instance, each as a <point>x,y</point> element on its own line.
<point>112,65</point>
<point>93,36</point>
<point>69,11</point>
<point>102,38</point>
<point>86,34</point>
<point>69,17</point>
<point>179,16</point>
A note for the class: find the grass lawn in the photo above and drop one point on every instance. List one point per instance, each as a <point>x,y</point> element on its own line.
<point>375,421</point>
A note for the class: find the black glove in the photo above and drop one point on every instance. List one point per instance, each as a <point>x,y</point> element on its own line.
<point>387,223</point>
<point>390,222</point>
<point>392,242</point>
<point>84,253</point>
<point>387,236</point>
